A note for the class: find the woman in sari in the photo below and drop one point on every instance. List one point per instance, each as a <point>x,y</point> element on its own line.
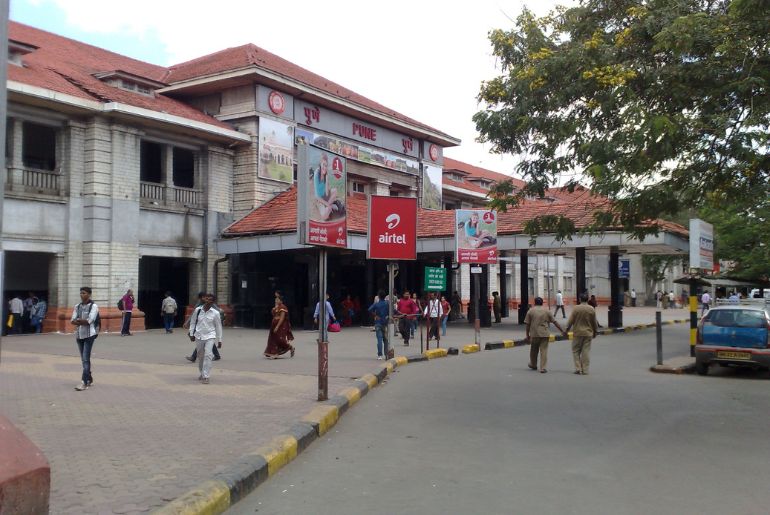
<point>280,332</point>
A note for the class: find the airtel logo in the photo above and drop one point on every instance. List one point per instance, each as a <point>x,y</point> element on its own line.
<point>392,220</point>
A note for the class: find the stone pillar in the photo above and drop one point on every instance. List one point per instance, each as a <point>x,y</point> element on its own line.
<point>524,286</point>
<point>16,161</point>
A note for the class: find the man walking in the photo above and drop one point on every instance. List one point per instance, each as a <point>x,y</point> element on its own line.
<point>85,317</point>
<point>584,324</point>
<point>407,310</point>
<point>194,356</point>
<point>560,304</point>
<point>380,311</point>
<point>433,313</point>
<point>705,301</point>
<point>537,321</point>
<point>205,331</point>
<point>168,311</point>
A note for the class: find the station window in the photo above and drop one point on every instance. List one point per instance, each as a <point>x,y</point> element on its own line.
<point>184,168</point>
<point>151,162</point>
<point>39,146</point>
<point>359,187</point>
<point>395,193</point>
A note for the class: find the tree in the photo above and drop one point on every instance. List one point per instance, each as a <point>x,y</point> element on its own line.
<point>656,266</point>
<point>742,234</point>
<point>656,104</point>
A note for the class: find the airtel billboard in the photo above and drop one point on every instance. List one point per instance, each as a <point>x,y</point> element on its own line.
<point>392,228</point>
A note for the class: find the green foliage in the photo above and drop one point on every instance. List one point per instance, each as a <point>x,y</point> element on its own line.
<point>742,234</point>
<point>655,266</point>
<point>657,104</point>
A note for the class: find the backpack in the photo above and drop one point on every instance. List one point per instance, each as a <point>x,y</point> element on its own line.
<point>120,304</point>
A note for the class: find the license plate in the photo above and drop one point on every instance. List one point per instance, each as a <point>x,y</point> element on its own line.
<point>733,355</point>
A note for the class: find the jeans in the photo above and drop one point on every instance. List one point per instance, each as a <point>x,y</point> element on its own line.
<point>382,337</point>
<point>414,323</point>
<point>126,328</point>
<point>168,321</point>
<point>37,324</point>
<point>84,346</point>
<point>205,356</point>
<point>443,325</point>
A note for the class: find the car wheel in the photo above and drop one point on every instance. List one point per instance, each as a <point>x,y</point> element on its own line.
<point>701,368</point>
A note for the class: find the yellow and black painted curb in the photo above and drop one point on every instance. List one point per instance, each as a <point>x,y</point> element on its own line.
<point>506,344</point>
<point>254,468</point>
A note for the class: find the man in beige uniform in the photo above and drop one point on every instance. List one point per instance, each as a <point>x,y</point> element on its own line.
<point>584,324</point>
<point>537,321</point>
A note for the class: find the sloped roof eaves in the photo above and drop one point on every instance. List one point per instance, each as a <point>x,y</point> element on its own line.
<point>67,66</point>
<point>251,56</point>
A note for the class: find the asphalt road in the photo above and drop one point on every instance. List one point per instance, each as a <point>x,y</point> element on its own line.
<point>482,434</point>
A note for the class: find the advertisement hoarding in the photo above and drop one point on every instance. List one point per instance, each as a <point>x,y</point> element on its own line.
<point>701,245</point>
<point>432,177</point>
<point>276,150</point>
<point>322,192</point>
<point>476,236</point>
<point>392,228</point>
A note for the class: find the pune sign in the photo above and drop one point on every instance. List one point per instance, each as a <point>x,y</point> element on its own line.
<point>392,228</point>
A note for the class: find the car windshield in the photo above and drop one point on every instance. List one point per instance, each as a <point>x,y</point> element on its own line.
<point>737,318</point>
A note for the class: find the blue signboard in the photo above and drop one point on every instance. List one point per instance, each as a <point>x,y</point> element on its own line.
<point>624,268</point>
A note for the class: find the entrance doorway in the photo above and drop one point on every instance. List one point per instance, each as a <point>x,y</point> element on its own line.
<point>25,272</point>
<point>157,275</point>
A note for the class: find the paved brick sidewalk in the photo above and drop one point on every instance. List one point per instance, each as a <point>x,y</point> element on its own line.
<point>148,431</point>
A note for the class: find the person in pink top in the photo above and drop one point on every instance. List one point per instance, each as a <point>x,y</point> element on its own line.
<point>128,306</point>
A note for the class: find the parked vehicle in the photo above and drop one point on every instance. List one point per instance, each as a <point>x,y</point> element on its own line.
<point>734,335</point>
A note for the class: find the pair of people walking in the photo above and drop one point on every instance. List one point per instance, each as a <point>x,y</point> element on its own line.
<point>582,319</point>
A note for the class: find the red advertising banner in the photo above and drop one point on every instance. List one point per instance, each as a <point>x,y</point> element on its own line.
<point>392,228</point>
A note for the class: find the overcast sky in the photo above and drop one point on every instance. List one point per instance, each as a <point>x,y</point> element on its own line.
<point>423,58</point>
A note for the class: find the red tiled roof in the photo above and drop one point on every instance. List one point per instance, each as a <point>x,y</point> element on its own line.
<point>464,185</point>
<point>476,171</point>
<point>279,215</point>
<point>248,55</point>
<point>67,66</point>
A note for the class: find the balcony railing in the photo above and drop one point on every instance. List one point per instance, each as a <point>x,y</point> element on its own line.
<point>160,194</point>
<point>33,181</point>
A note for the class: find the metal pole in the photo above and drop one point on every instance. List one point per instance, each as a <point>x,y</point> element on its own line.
<point>659,337</point>
<point>476,321</point>
<point>323,337</point>
<point>4,104</point>
<point>391,276</point>
<point>693,315</point>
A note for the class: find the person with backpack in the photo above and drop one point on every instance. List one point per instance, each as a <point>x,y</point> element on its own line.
<point>86,319</point>
<point>126,305</point>
<point>206,332</point>
<point>194,356</point>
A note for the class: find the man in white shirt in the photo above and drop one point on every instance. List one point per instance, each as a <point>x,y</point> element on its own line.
<point>433,313</point>
<point>633,298</point>
<point>560,304</point>
<point>16,308</point>
<point>705,301</point>
<point>205,331</point>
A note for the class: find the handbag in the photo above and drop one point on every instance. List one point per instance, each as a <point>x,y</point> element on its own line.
<point>334,327</point>
<point>9,324</point>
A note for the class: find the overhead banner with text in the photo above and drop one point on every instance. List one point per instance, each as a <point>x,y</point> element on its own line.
<point>476,236</point>
<point>322,192</point>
